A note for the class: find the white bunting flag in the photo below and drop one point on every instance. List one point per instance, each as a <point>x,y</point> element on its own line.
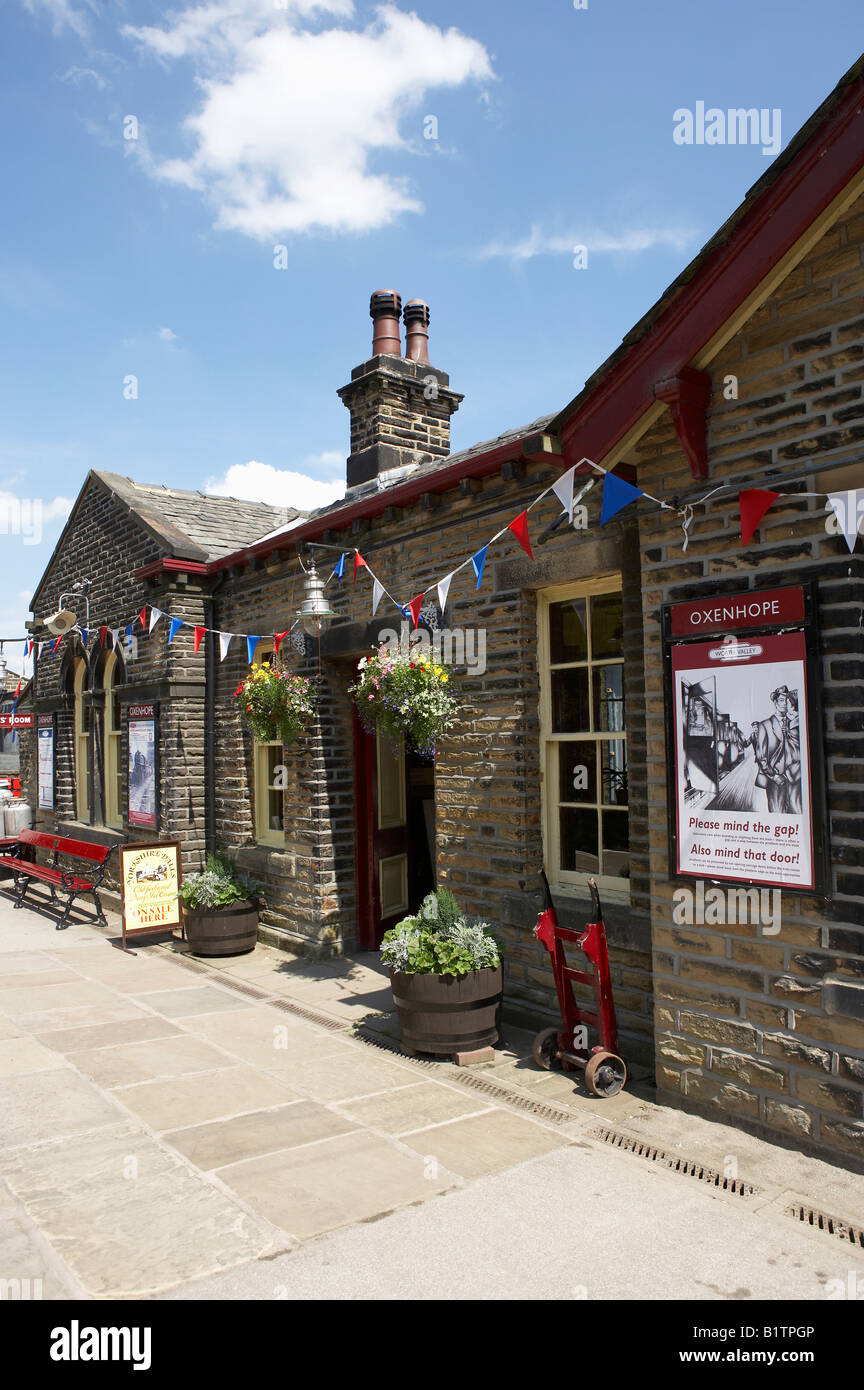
<point>563,489</point>
<point>155,615</point>
<point>443,591</point>
<point>377,594</point>
<point>848,508</point>
<point>224,644</point>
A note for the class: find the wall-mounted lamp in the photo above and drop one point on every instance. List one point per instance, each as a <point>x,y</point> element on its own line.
<point>315,611</point>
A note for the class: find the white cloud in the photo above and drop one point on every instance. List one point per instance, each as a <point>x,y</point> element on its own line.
<point>167,336</point>
<point>540,243</point>
<point>63,15</point>
<point>261,482</point>
<point>291,117</point>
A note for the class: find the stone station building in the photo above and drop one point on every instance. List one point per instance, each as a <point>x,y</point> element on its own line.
<point>747,373</point>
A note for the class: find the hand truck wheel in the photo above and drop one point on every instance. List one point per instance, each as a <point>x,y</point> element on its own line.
<point>545,1049</point>
<point>605,1074</point>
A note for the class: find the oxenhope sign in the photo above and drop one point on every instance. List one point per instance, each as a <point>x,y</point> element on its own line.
<point>762,608</point>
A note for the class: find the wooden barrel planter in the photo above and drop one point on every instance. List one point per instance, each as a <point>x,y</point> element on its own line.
<point>222,931</point>
<point>446,1014</point>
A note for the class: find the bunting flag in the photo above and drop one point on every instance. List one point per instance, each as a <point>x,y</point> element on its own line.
<point>340,566</point>
<point>519,527</point>
<point>359,563</point>
<point>143,616</point>
<point>115,638</point>
<point>478,561</point>
<point>155,615</point>
<point>443,591</point>
<point>251,644</point>
<point>129,629</point>
<point>85,635</point>
<point>753,503</point>
<point>224,644</point>
<point>848,508</point>
<point>617,494</point>
<point>414,606</point>
<point>563,489</point>
<point>377,595</point>
<point>14,707</point>
<point>176,624</point>
<point>278,639</point>
<point>102,635</point>
<point>56,643</point>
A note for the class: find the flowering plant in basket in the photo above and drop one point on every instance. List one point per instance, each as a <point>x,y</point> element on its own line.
<point>404,695</point>
<point>276,705</point>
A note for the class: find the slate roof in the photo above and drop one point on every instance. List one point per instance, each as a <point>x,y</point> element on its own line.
<point>194,525</point>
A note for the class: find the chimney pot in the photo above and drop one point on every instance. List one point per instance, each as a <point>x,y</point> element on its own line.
<point>417,331</point>
<point>385,307</point>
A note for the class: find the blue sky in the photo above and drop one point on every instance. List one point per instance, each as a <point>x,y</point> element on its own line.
<point>301,123</point>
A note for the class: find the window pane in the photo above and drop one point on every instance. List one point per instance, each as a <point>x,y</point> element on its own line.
<point>274,810</point>
<point>568,639</point>
<point>616,841</point>
<point>570,714</point>
<point>606,626</point>
<point>578,840</point>
<point>274,759</point>
<point>577,771</point>
<point>613,763</point>
<point>608,698</point>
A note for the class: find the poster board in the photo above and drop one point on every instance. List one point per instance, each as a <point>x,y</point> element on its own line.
<point>45,743</point>
<point>746,795</point>
<point>151,876</point>
<point>143,768</point>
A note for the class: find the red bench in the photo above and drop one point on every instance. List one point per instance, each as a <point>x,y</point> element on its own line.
<point>57,877</point>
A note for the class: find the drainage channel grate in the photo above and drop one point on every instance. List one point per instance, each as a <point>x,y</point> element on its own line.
<point>831,1225</point>
<point>675,1163</point>
<point>289,1007</point>
<point>490,1088</point>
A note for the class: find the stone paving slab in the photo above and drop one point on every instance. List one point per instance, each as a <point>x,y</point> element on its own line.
<point>413,1107</point>
<point>128,1217</point>
<point>485,1143</point>
<point>356,1073</point>
<point>305,1190</point>
<point>182,1100</point>
<point>131,1062</point>
<point>181,1003</point>
<point>250,1136</point>
<point>18,1056</point>
<point>47,1104</point>
<point>84,1037</point>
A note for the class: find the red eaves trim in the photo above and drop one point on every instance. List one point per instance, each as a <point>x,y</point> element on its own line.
<point>479,466</point>
<point>170,565</point>
<point>777,219</point>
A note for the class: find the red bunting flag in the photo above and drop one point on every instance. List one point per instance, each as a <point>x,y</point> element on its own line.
<point>102,633</point>
<point>754,503</point>
<point>143,616</point>
<point>198,638</point>
<point>519,527</point>
<point>278,639</point>
<point>415,605</point>
<point>56,643</point>
<point>358,561</point>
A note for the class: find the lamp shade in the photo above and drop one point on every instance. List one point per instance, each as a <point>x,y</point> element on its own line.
<point>315,611</point>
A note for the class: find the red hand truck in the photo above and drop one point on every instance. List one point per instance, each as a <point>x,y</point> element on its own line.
<point>605,1072</point>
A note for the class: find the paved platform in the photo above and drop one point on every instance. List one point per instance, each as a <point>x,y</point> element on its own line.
<point>180,1128</point>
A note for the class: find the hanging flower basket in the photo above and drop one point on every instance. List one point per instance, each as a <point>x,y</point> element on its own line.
<point>404,696</point>
<point>277,705</point>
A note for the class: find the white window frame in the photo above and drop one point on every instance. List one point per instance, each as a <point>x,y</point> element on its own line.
<point>261,784</point>
<point>80,677</point>
<point>569,882</point>
<point>113,747</point>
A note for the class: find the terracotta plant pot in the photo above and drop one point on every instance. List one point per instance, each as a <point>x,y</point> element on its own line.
<point>222,931</point>
<point>448,1013</point>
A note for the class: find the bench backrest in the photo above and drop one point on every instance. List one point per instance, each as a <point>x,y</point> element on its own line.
<point>80,849</point>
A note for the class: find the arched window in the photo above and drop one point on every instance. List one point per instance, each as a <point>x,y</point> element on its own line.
<point>113,742</point>
<point>80,683</point>
<point>269,811</point>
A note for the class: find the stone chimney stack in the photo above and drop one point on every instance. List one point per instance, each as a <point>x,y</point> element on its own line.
<point>400,406</point>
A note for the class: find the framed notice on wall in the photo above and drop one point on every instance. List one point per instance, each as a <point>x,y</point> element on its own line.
<point>143,778</point>
<point>747,799</point>
<point>150,875</point>
<point>45,762</point>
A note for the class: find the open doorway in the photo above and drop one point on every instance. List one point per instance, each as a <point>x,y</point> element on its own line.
<point>395,829</point>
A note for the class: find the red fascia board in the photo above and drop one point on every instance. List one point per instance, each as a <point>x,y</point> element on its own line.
<point>170,565</point>
<point>480,466</point>
<point>768,230</point>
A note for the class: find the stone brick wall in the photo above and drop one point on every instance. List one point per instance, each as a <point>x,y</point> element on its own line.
<point>487,771</point>
<point>105,544</point>
<point>770,1029</point>
<point>403,404</point>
